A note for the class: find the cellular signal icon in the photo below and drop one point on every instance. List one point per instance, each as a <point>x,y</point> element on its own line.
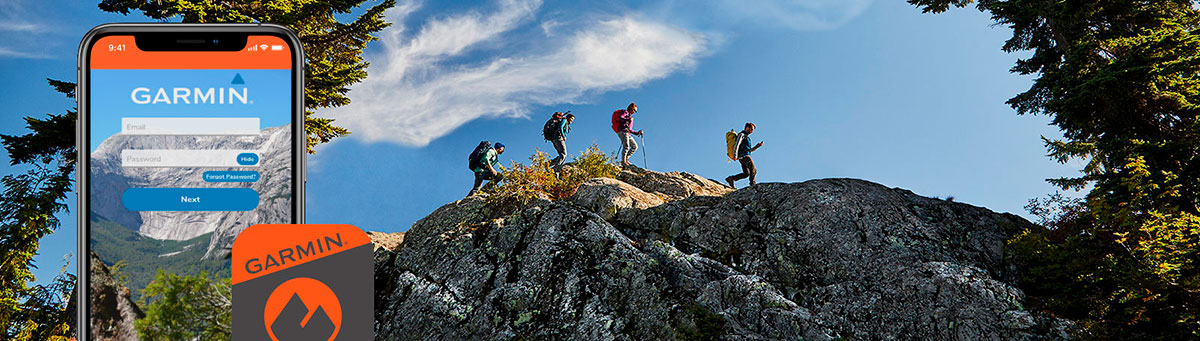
<point>252,48</point>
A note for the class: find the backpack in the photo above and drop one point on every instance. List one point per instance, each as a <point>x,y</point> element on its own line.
<point>553,128</point>
<point>477,155</point>
<point>731,145</point>
<point>617,122</point>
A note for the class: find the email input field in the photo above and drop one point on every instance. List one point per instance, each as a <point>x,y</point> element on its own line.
<point>190,125</point>
<point>174,158</point>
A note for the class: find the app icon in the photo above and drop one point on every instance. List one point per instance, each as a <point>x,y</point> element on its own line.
<point>303,283</point>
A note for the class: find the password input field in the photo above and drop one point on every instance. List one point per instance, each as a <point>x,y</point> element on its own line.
<point>175,158</point>
<point>190,125</point>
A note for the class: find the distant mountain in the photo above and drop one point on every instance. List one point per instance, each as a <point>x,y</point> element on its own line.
<point>109,181</point>
<point>143,255</point>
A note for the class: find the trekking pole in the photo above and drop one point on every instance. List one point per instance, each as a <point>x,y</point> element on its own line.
<point>644,163</point>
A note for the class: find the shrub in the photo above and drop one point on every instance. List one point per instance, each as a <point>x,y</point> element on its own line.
<point>523,183</point>
<point>186,307</point>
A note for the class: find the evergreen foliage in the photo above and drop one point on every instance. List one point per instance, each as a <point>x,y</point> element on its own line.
<point>191,307</point>
<point>1121,79</point>
<point>27,206</point>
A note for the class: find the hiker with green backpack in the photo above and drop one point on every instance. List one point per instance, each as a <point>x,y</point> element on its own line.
<point>555,131</point>
<point>737,147</point>
<point>485,162</point>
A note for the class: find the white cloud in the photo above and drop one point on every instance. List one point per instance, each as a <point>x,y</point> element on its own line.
<point>420,88</point>
<point>14,17</point>
<point>19,37</point>
<point>9,52</point>
<point>794,14</point>
<point>19,26</point>
<point>728,15</point>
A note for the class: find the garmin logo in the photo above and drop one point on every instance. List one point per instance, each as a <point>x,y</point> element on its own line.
<point>228,95</point>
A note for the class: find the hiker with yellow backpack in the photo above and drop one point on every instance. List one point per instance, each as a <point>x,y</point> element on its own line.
<point>737,147</point>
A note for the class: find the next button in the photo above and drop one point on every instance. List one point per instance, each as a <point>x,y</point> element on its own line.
<point>190,199</point>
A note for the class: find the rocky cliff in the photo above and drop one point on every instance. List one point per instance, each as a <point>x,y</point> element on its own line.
<point>674,256</point>
<point>112,308</point>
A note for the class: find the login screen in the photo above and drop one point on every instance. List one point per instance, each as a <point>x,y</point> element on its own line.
<point>187,149</point>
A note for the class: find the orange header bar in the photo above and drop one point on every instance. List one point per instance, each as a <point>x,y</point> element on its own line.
<point>121,52</point>
<point>264,249</point>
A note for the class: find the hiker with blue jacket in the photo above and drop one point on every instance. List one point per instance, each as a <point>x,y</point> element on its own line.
<point>485,162</point>
<point>555,131</point>
<point>743,156</point>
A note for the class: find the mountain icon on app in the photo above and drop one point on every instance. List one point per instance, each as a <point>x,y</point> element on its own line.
<point>312,311</point>
<point>295,323</point>
<point>237,79</point>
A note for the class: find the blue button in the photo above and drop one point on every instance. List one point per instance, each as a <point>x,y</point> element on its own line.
<point>231,176</point>
<point>247,159</point>
<point>190,199</point>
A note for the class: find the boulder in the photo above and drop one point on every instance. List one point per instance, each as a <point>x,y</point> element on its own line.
<point>386,241</point>
<point>671,185</point>
<point>610,198</point>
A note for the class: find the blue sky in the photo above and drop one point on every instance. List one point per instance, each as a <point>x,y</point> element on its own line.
<point>857,88</point>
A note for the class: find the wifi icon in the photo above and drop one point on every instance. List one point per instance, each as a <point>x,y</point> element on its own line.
<point>262,47</point>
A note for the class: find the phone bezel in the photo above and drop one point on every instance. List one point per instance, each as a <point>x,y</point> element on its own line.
<point>82,125</point>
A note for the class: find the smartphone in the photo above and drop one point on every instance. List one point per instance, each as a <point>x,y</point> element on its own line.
<point>187,135</point>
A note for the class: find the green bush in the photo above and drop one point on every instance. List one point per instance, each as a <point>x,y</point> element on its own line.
<point>523,183</point>
<point>186,308</point>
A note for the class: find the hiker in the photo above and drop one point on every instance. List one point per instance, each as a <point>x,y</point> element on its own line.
<point>622,124</point>
<point>555,131</point>
<point>741,151</point>
<point>485,162</point>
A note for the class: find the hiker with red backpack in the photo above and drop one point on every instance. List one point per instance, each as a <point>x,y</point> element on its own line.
<point>555,131</point>
<point>485,162</point>
<point>622,124</point>
<point>738,147</point>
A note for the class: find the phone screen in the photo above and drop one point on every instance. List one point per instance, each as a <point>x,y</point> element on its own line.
<point>187,149</point>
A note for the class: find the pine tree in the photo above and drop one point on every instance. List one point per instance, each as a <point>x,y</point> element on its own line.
<point>1121,79</point>
<point>27,207</point>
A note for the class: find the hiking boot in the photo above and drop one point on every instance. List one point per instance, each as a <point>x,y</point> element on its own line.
<point>729,181</point>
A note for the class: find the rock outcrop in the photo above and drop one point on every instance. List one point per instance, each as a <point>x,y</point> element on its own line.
<point>386,241</point>
<point>675,256</point>
<point>112,308</point>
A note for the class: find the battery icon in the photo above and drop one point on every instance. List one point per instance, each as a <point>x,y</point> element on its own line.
<point>276,47</point>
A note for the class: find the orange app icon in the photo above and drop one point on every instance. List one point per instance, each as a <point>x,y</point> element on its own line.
<point>303,282</point>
